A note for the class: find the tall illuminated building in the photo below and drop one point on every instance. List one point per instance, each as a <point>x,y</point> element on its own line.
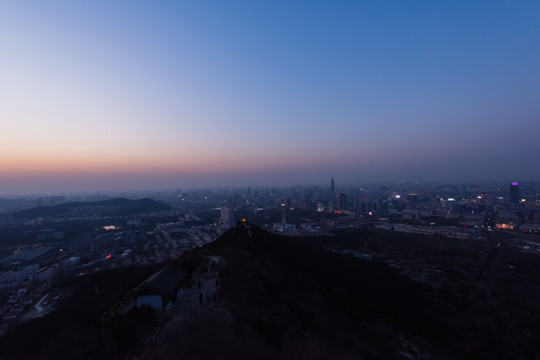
<point>514,193</point>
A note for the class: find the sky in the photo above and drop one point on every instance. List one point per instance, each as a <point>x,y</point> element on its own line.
<point>131,95</point>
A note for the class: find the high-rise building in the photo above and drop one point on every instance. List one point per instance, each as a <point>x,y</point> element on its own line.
<point>332,187</point>
<point>514,193</point>
<point>283,214</point>
<point>342,202</point>
<point>227,218</point>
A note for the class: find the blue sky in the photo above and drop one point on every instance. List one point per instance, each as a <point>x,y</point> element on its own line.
<point>133,94</point>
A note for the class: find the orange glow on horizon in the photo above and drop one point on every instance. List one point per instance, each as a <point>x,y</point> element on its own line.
<point>196,162</point>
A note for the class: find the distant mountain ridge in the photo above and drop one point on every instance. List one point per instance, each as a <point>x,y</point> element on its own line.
<point>112,207</point>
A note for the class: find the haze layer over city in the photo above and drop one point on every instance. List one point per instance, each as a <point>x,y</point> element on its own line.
<point>132,95</point>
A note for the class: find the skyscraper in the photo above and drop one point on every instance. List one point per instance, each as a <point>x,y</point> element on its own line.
<point>227,218</point>
<point>332,187</point>
<point>342,202</point>
<point>514,193</point>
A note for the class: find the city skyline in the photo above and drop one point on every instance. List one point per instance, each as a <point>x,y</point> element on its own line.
<point>127,96</point>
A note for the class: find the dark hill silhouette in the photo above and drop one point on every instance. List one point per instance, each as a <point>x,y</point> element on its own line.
<point>290,291</point>
<point>112,207</point>
<point>287,298</point>
<point>333,270</point>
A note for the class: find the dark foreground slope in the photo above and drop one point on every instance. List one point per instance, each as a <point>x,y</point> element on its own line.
<point>291,298</point>
<point>301,301</point>
<point>112,207</point>
<point>74,330</point>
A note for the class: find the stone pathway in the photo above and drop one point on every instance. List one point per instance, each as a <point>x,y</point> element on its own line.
<point>188,302</point>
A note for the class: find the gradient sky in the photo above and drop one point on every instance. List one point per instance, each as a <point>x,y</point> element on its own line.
<point>124,95</point>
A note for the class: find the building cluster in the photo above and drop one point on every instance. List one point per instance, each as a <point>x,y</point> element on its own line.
<point>459,212</point>
<point>200,217</point>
